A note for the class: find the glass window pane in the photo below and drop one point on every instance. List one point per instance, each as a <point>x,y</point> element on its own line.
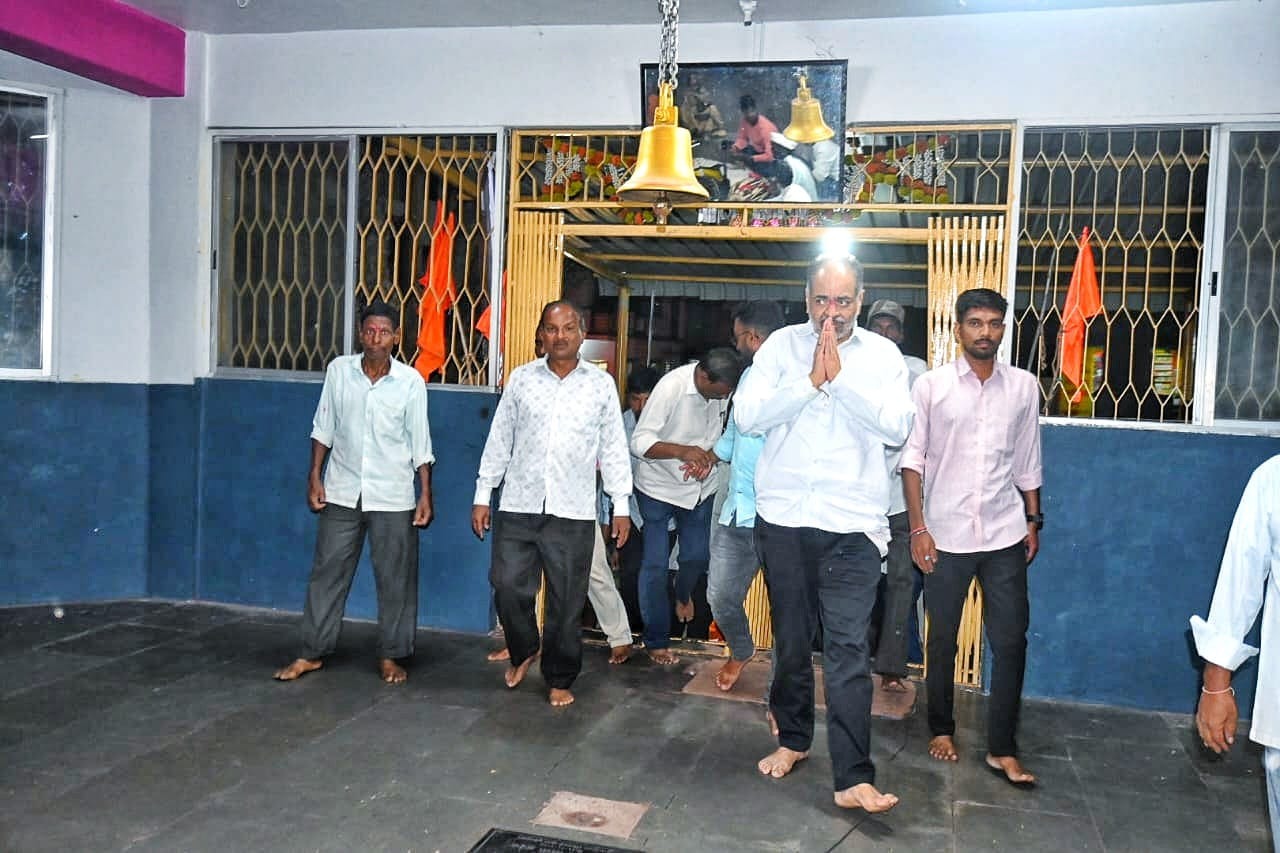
<point>24,130</point>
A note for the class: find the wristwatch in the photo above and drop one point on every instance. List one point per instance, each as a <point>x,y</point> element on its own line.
<point>1036,518</point>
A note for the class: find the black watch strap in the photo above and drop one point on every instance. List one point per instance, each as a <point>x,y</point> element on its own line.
<point>1037,518</point>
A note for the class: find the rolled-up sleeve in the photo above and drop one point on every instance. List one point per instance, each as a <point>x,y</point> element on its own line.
<point>654,417</point>
<point>916,450</point>
<point>325,422</point>
<point>1028,471</point>
<point>1238,596</point>
<point>419,427</point>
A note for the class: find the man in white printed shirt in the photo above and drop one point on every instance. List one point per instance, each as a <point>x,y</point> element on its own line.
<point>672,442</point>
<point>371,428</point>
<point>557,420</point>
<point>830,398</point>
<point>1250,567</point>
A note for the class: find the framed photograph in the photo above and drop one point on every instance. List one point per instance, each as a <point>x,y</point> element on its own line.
<point>729,108</point>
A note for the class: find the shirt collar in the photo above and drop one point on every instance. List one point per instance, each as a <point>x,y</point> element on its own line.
<point>581,365</point>
<point>963,368</point>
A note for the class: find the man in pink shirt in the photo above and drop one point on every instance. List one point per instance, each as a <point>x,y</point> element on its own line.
<point>971,478</point>
<point>754,143</point>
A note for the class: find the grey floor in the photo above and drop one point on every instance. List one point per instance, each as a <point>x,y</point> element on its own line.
<point>155,726</point>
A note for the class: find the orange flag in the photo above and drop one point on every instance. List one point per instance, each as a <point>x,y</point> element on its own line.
<point>1082,303</point>
<point>438,295</point>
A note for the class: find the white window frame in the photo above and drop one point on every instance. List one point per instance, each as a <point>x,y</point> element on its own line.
<point>48,271</point>
<point>497,246</point>
<point>1211,276</point>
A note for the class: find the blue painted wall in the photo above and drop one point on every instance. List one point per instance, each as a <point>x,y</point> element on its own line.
<point>73,492</point>
<point>172,485</point>
<point>115,491</point>
<point>256,533</point>
<point>1136,523</point>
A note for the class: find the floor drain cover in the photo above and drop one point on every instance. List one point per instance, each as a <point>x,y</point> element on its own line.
<point>510,841</point>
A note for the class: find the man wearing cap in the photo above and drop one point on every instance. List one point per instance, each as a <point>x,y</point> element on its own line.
<point>885,319</point>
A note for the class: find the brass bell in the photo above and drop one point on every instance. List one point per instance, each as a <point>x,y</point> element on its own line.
<point>806,117</point>
<point>663,174</point>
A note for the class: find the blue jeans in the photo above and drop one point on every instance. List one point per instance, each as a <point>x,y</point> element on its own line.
<point>693,530</point>
<point>733,567</point>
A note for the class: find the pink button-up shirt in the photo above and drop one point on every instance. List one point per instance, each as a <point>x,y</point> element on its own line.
<point>976,445</point>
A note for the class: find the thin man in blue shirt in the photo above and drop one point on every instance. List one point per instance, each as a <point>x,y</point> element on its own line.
<point>733,550</point>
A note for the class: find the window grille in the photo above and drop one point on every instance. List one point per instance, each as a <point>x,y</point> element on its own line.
<point>291,253</point>
<point>1141,191</point>
<point>24,139</point>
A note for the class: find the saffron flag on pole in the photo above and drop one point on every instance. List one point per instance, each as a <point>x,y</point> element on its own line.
<point>1083,302</point>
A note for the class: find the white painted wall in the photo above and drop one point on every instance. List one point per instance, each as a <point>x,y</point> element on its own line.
<point>101,304</point>
<point>1205,59</point>
<point>179,239</point>
<point>133,287</point>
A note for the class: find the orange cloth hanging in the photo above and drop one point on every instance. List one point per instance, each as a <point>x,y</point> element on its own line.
<point>485,319</point>
<point>1083,302</point>
<point>438,295</point>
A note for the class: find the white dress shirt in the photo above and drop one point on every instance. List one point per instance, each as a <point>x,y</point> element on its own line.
<point>548,437</point>
<point>823,463</point>
<point>678,414</point>
<point>976,446</point>
<point>1250,565</point>
<point>377,434</point>
<point>916,368</point>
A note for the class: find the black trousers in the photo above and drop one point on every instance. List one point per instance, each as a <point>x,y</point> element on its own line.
<point>899,596</point>
<point>1005,615</point>
<point>810,574</point>
<point>527,546</point>
<point>393,547</point>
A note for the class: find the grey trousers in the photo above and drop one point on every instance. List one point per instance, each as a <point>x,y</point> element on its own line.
<point>899,590</point>
<point>734,565</point>
<point>393,545</point>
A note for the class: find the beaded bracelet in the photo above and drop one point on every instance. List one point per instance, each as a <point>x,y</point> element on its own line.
<point>919,530</point>
<point>1228,689</point>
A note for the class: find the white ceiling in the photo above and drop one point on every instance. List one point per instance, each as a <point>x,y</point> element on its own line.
<point>284,16</point>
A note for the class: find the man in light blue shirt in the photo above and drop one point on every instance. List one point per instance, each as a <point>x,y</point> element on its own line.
<point>733,551</point>
<point>371,428</point>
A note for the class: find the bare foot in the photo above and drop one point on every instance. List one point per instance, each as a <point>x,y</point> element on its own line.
<point>297,669</point>
<point>618,654</point>
<point>684,610</point>
<point>664,657</point>
<point>501,654</point>
<point>391,672</point>
<point>729,674</point>
<point>892,684</point>
<point>943,748</point>
<point>865,797</point>
<point>772,721</point>
<point>1011,768</point>
<point>560,698</point>
<point>514,675</point>
<point>779,762</point>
